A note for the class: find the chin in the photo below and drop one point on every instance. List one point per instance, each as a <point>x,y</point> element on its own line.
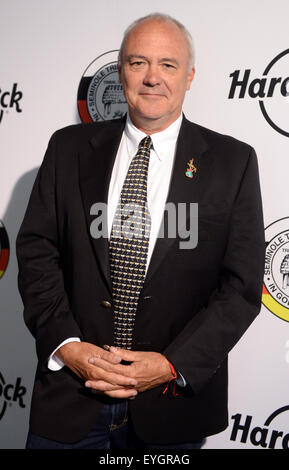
<point>149,113</point>
<point>151,108</point>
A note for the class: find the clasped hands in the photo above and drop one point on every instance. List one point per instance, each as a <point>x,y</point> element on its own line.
<point>102,371</point>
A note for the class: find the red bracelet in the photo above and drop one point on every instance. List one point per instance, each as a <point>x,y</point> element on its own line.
<point>173,378</point>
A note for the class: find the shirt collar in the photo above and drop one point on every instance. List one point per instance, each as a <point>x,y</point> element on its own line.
<point>162,141</point>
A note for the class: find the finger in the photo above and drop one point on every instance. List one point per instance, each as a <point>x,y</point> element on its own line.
<point>109,367</point>
<point>103,386</point>
<point>107,356</point>
<point>122,393</point>
<point>98,373</point>
<point>112,394</point>
<point>126,354</point>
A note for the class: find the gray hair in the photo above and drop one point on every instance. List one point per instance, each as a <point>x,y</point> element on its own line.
<point>164,18</point>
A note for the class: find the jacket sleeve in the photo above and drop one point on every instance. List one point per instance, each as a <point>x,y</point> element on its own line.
<point>202,346</point>
<point>47,311</point>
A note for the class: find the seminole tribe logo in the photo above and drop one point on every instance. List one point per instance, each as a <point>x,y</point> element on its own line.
<point>100,96</point>
<point>272,90</point>
<point>276,275</point>
<point>4,249</point>
<point>11,393</point>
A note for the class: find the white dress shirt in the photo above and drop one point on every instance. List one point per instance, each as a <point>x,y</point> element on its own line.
<point>159,176</point>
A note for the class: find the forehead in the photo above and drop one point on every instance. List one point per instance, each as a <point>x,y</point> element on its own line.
<point>154,37</point>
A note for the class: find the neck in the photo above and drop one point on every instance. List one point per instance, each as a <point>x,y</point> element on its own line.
<point>151,126</point>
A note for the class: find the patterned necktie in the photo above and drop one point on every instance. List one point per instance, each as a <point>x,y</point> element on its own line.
<point>128,245</point>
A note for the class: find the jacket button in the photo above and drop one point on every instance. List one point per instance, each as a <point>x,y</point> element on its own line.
<point>106,304</point>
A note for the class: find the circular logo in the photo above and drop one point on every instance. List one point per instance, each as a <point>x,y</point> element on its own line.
<point>100,96</point>
<point>276,111</point>
<point>4,249</point>
<point>276,275</point>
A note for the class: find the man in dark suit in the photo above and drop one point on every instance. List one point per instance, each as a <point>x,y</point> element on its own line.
<point>165,384</point>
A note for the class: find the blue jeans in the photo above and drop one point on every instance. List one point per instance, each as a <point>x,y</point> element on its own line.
<point>112,431</point>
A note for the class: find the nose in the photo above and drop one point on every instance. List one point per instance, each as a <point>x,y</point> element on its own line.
<point>152,76</point>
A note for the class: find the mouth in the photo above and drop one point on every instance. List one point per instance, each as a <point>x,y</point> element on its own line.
<point>153,95</point>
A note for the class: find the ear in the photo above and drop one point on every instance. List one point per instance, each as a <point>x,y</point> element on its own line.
<point>190,78</point>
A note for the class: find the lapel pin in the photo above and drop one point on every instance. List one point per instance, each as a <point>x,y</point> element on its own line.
<point>191,169</point>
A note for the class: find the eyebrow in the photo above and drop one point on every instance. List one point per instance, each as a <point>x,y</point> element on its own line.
<point>168,59</point>
<point>163,59</point>
<point>136,56</point>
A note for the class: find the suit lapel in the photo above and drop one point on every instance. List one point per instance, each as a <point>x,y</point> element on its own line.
<point>182,189</point>
<point>95,168</point>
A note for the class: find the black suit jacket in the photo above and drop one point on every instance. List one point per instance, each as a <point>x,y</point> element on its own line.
<point>194,306</point>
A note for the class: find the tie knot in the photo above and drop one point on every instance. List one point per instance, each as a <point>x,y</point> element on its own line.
<point>146,143</point>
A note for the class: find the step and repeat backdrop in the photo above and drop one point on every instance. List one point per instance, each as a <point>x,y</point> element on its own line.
<point>58,67</point>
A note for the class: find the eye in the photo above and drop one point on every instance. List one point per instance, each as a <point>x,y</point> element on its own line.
<point>168,66</point>
<point>136,64</point>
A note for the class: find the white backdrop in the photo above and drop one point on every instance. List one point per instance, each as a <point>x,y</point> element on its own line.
<point>45,48</point>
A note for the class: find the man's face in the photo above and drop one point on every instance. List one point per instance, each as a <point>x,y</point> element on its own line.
<point>155,74</point>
